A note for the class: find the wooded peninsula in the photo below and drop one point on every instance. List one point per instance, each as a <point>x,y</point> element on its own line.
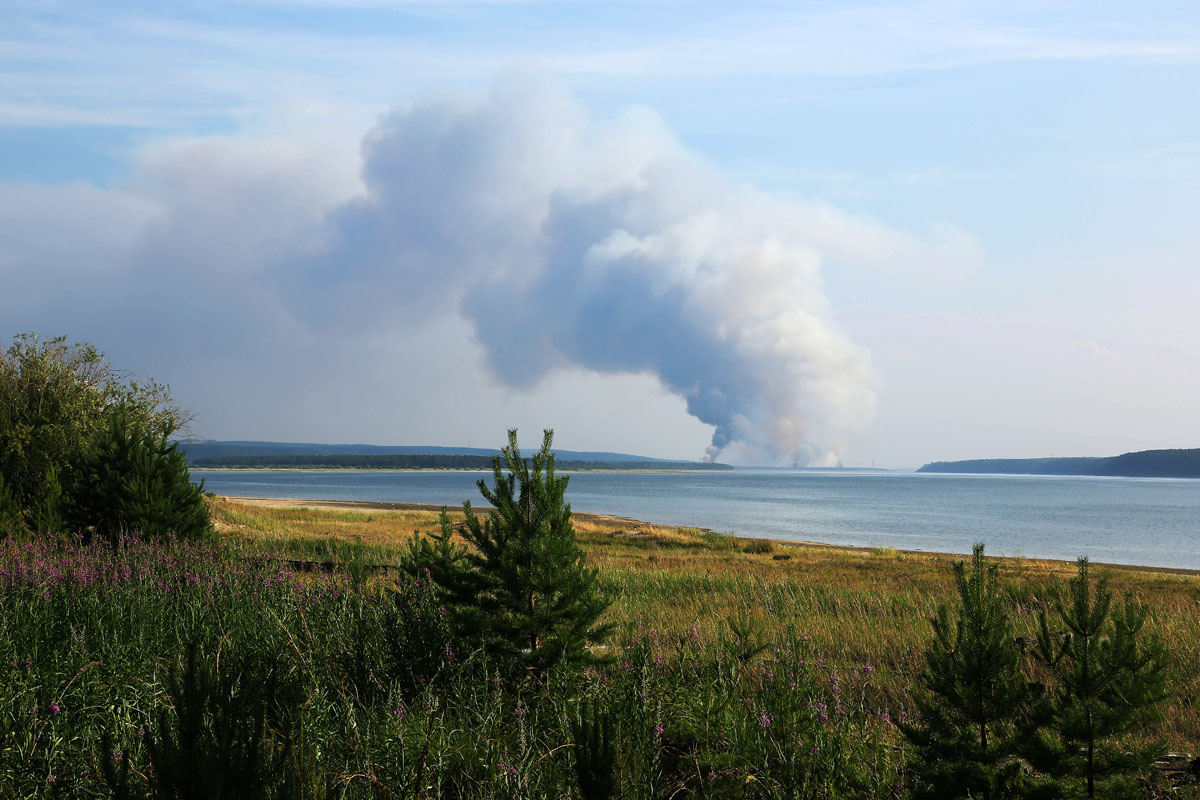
<point>1142,464</point>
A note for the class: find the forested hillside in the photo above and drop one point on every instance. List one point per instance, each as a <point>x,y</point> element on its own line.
<point>1142,464</point>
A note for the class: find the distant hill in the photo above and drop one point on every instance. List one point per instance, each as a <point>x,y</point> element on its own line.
<point>1142,464</point>
<point>301,455</point>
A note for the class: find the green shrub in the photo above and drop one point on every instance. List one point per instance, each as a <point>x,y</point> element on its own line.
<point>55,400</point>
<point>758,546</point>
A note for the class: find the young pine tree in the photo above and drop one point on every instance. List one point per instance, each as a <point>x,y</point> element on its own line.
<point>965,736</point>
<point>44,514</point>
<point>438,559</point>
<point>456,586</point>
<point>134,482</point>
<point>12,522</point>
<point>1109,676</point>
<point>538,602</point>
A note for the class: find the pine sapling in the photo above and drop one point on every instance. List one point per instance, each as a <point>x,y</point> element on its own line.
<point>1109,677</point>
<point>974,692</point>
<point>539,603</point>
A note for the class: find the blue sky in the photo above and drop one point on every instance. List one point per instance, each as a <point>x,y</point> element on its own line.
<point>998,201</point>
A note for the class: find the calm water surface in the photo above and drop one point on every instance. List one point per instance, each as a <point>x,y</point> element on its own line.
<point>1122,520</point>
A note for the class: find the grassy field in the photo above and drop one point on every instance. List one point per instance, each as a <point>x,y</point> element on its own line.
<point>285,660</point>
<point>858,607</point>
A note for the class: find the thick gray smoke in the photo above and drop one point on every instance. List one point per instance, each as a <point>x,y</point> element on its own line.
<point>569,242</point>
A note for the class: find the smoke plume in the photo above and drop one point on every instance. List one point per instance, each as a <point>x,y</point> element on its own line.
<point>568,242</point>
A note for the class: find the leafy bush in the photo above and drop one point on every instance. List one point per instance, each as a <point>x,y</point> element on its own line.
<point>56,401</point>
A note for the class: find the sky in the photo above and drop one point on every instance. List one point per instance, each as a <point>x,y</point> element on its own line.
<point>763,232</point>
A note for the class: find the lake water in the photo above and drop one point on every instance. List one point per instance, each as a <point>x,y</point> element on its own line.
<point>1153,522</point>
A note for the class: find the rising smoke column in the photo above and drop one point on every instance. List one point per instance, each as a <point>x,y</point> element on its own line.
<point>568,242</point>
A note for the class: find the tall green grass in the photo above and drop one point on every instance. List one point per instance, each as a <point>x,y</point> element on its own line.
<point>122,669</point>
<point>734,675</point>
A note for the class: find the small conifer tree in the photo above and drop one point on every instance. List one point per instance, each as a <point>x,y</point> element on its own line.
<point>538,603</point>
<point>135,482</point>
<point>439,559</point>
<point>12,521</point>
<point>1109,677</point>
<point>44,514</point>
<point>444,563</point>
<point>974,691</point>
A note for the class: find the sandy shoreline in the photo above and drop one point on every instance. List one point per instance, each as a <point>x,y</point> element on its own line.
<point>372,505</point>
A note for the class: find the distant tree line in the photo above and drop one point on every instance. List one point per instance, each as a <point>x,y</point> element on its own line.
<point>423,461</point>
<point>1143,464</point>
